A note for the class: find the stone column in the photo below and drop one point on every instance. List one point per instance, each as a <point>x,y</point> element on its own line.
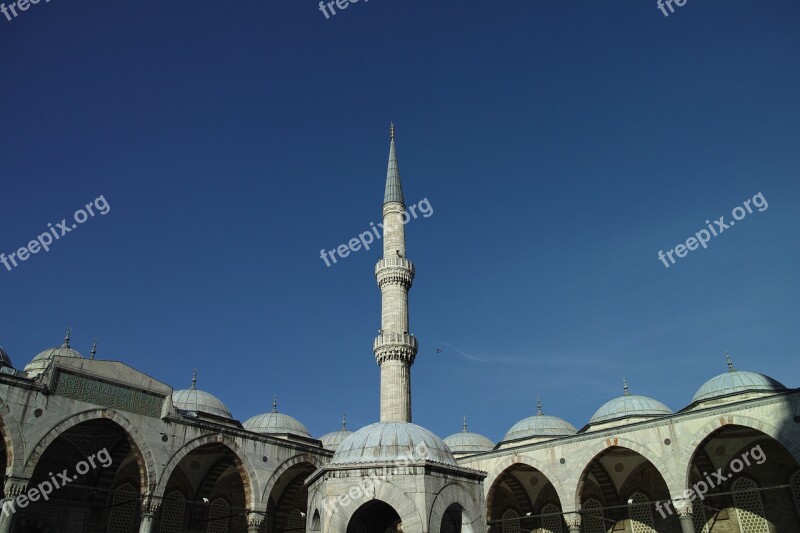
<point>14,487</point>
<point>149,509</point>
<point>254,521</point>
<point>573,522</point>
<point>684,510</point>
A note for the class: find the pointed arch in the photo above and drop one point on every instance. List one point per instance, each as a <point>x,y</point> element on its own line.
<point>788,438</point>
<point>749,507</point>
<point>385,492</point>
<point>243,465</point>
<point>500,467</point>
<point>455,493</point>
<point>139,446</point>
<point>283,467</point>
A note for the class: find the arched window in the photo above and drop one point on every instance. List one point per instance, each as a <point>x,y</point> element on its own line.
<point>219,516</point>
<point>593,517</point>
<point>315,522</point>
<point>641,514</point>
<point>511,522</point>
<point>749,509</point>
<point>172,512</point>
<point>123,510</point>
<point>551,519</point>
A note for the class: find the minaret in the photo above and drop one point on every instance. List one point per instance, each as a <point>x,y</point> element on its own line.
<point>394,347</point>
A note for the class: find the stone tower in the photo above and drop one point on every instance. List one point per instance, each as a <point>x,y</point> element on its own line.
<point>395,348</point>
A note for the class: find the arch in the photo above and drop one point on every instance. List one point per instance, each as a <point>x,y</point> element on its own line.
<point>500,467</point>
<point>283,467</point>
<point>173,512</point>
<point>243,465</point>
<point>315,521</point>
<point>15,444</point>
<point>219,516</point>
<point>593,518</point>
<point>139,446</point>
<point>689,451</point>
<point>387,493</point>
<point>593,452</point>
<point>510,522</point>
<point>455,493</point>
<point>641,516</point>
<point>123,509</point>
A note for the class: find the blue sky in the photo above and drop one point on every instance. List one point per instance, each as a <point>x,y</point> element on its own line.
<point>560,144</point>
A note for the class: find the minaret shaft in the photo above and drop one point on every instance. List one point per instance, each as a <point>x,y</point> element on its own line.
<point>395,349</point>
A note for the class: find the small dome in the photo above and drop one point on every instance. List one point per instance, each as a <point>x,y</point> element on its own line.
<point>629,406</point>
<point>736,381</point>
<point>467,442</point>
<point>276,423</point>
<point>40,363</point>
<point>540,426</point>
<point>332,440</point>
<point>389,441</point>
<point>199,401</point>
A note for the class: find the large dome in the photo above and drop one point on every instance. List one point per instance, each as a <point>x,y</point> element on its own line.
<point>276,423</point>
<point>540,426</point>
<point>630,406</point>
<point>467,442</point>
<point>385,442</point>
<point>199,401</point>
<point>736,381</point>
<point>40,363</point>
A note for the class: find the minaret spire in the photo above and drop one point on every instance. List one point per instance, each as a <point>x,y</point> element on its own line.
<point>395,348</point>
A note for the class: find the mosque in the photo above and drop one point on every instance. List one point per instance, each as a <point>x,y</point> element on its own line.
<point>179,461</point>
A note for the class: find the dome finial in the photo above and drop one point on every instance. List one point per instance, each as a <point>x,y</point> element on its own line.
<point>730,363</point>
<point>625,387</point>
<point>66,338</point>
<point>344,422</point>
<point>465,424</point>
<point>391,130</point>
<point>538,406</point>
<point>194,379</point>
<point>274,403</point>
<point>94,349</point>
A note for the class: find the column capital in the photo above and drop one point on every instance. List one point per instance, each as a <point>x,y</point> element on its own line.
<point>14,486</point>
<point>149,504</point>
<point>683,507</point>
<point>573,519</point>
<point>254,521</point>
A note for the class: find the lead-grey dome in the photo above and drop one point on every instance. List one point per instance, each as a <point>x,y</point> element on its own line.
<point>540,426</point>
<point>331,441</point>
<point>736,381</point>
<point>467,442</point>
<point>40,363</point>
<point>630,406</point>
<point>276,423</point>
<point>199,401</point>
<point>391,441</point>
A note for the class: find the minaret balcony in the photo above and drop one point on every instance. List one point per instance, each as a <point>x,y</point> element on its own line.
<point>390,345</point>
<point>397,270</point>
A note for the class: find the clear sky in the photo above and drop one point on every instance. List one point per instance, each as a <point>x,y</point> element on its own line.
<point>561,145</point>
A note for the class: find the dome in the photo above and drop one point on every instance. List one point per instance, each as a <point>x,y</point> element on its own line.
<point>630,405</point>
<point>40,363</point>
<point>736,381</point>
<point>276,423</point>
<point>540,426</point>
<point>332,440</point>
<point>199,401</point>
<point>390,441</point>
<point>468,442</point>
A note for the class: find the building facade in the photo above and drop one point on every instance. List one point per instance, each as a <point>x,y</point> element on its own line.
<point>91,445</point>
